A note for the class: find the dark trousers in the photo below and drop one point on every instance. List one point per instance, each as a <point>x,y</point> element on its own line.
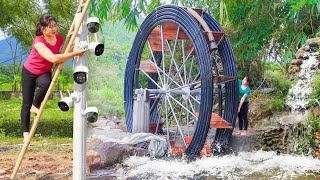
<point>29,96</point>
<point>243,116</point>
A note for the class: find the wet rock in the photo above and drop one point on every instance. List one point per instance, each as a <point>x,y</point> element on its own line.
<point>305,56</point>
<point>123,127</point>
<point>313,40</point>
<point>297,62</point>
<point>306,48</point>
<point>107,154</point>
<point>314,45</point>
<point>243,143</point>
<point>300,54</point>
<point>293,68</point>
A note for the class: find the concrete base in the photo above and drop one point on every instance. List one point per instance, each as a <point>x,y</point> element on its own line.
<point>243,143</point>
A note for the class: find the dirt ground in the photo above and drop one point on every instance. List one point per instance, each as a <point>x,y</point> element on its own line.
<point>44,160</point>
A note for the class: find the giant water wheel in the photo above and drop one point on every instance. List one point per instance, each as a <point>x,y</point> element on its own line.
<point>182,71</point>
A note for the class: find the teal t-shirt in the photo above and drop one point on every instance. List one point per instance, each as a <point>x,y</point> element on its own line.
<point>243,91</point>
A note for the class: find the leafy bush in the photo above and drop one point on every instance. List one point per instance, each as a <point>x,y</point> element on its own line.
<point>308,143</point>
<point>281,84</point>
<point>279,81</point>
<point>315,94</point>
<point>276,104</point>
<point>53,122</point>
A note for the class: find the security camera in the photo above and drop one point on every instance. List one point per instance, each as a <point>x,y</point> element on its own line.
<point>96,48</point>
<point>65,103</point>
<point>80,74</point>
<point>93,24</point>
<point>91,114</point>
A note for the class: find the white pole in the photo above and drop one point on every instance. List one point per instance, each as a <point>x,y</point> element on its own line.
<point>79,121</point>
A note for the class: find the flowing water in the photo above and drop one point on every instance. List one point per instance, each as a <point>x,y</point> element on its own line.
<point>298,97</point>
<point>242,165</point>
<point>245,165</point>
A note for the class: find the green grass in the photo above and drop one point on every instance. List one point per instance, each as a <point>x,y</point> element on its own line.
<point>35,140</point>
<point>6,86</point>
<point>53,121</point>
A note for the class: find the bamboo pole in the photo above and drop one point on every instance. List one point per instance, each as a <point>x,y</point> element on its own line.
<point>67,40</point>
<point>45,100</point>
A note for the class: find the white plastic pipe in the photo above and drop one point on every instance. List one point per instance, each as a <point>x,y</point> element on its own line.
<point>205,27</point>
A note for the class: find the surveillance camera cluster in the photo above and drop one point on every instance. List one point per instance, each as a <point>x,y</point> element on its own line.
<point>91,113</point>
<point>93,26</point>
<point>80,73</point>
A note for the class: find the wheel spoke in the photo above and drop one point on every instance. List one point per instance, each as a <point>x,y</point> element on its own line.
<point>190,69</point>
<point>182,105</point>
<point>178,71</point>
<point>155,63</point>
<point>179,128</point>
<point>175,63</point>
<point>172,80</point>
<point>151,79</point>
<point>163,59</point>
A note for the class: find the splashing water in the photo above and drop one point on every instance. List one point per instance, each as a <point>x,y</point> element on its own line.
<point>246,165</point>
<point>298,97</point>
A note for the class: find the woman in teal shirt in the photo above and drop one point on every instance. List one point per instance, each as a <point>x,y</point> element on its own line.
<point>244,92</point>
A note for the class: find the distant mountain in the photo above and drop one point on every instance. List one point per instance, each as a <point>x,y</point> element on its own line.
<point>9,46</point>
<point>7,49</point>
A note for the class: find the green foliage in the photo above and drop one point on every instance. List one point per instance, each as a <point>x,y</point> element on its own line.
<point>105,84</point>
<point>65,79</point>
<point>308,143</point>
<point>19,17</point>
<point>105,88</point>
<point>276,104</point>
<point>123,10</point>
<point>315,94</point>
<point>279,81</point>
<point>281,85</point>
<point>52,123</point>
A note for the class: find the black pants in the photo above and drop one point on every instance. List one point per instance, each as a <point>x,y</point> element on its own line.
<point>243,116</point>
<point>29,97</point>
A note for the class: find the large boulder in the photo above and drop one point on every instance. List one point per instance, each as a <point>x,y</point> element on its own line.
<point>106,154</point>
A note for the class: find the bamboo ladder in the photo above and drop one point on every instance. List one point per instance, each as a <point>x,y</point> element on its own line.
<point>73,31</point>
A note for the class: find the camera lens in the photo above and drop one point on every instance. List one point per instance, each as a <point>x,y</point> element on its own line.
<point>63,106</point>
<point>99,49</point>
<point>93,27</point>
<point>80,77</point>
<point>92,117</point>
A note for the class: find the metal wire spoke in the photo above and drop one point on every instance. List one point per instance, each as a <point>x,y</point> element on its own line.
<point>192,108</point>
<point>192,60</point>
<point>180,87</point>
<point>155,63</point>
<point>151,79</point>
<point>175,118</point>
<point>183,63</point>
<point>174,62</point>
<point>182,105</point>
<point>163,59</point>
<point>168,76</point>
<point>175,45</point>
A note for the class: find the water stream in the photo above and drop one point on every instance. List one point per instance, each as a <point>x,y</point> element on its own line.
<point>242,165</point>
<point>245,165</point>
<point>298,97</point>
